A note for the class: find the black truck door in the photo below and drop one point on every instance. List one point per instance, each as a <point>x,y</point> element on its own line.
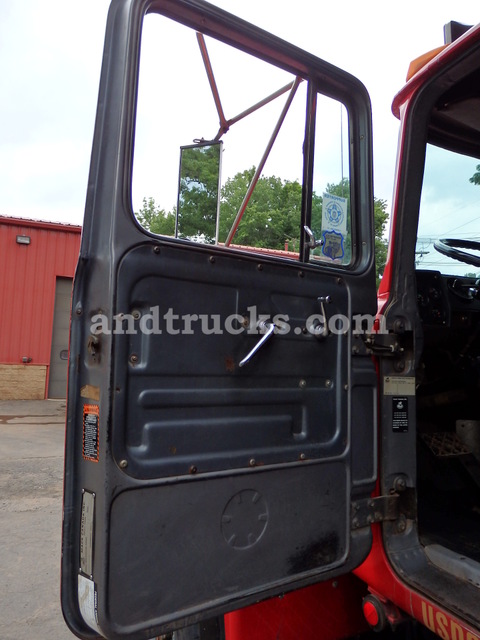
<point>221,415</point>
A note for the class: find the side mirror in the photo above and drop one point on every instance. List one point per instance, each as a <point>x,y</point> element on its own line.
<point>198,204</point>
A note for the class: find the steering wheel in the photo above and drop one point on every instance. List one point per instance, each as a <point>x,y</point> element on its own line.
<point>451,247</point>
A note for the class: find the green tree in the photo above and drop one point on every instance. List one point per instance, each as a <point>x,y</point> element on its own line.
<point>156,219</point>
<point>272,217</point>
<point>198,197</point>
<point>271,220</point>
<point>475,179</point>
<point>381,245</point>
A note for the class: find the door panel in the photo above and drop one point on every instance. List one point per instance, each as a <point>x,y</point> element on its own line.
<point>250,465</point>
<point>221,418</point>
<point>184,401</point>
<point>248,531</point>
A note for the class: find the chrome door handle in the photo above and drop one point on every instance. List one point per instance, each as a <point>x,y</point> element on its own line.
<point>312,242</point>
<point>263,325</point>
<point>322,330</point>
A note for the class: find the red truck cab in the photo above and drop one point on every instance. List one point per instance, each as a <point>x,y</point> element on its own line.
<point>253,447</point>
<point>430,290</point>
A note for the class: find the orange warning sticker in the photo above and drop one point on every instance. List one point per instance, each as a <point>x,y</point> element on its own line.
<point>90,432</point>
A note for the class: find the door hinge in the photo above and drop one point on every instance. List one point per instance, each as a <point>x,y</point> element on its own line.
<point>380,344</point>
<point>395,507</point>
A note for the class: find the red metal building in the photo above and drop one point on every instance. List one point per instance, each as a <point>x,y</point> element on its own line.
<point>37,264</point>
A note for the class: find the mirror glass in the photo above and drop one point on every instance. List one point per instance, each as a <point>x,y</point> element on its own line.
<point>198,193</point>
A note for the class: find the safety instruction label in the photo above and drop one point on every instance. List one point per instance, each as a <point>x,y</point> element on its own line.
<point>400,414</point>
<point>91,432</point>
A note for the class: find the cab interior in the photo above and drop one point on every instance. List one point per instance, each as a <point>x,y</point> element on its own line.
<point>448,300</point>
<point>448,416</point>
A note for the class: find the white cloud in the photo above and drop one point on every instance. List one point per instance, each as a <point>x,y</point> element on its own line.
<point>50,57</point>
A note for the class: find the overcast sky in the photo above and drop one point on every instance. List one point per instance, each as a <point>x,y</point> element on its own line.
<point>50,58</point>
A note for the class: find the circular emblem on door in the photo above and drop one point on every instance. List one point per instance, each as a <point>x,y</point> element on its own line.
<point>244,519</point>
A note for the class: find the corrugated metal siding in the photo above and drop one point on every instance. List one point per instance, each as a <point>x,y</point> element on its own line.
<point>27,285</point>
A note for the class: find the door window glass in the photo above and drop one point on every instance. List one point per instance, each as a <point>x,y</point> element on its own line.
<point>219,151</point>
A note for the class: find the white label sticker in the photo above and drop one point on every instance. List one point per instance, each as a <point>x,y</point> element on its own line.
<point>398,386</point>
<point>87,601</point>
<point>86,533</point>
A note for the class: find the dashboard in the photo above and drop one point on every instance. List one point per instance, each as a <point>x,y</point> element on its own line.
<point>447,301</point>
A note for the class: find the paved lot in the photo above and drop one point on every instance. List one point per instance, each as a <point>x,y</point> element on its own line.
<point>31,469</point>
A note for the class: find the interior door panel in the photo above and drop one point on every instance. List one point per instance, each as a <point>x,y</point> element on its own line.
<point>245,473</point>
<point>185,403</point>
<point>221,418</point>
